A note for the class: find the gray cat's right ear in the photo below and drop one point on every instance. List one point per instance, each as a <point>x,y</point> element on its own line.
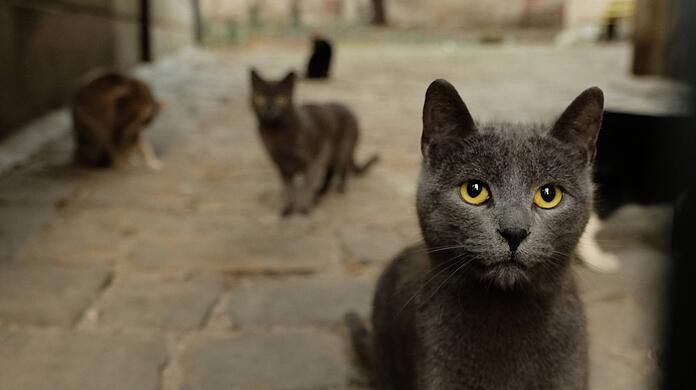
<point>255,77</point>
<point>445,115</point>
<point>289,79</point>
<point>580,122</point>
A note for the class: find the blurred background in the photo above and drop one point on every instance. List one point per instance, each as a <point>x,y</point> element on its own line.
<point>186,278</point>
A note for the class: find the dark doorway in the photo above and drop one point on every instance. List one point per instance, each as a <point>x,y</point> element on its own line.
<point>145,38</point>
<point>197,21</point>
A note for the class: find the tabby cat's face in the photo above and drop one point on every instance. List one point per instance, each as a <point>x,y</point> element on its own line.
<point>510,202</point>
<point>151,111</point>
<point>271,100</point>
<point>148,106</point>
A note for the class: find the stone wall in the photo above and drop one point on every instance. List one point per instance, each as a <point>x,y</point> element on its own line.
<point>584,13</point>
<point>46,46</point>
<point>173,25</point>
<point>655,38</point>
<point>404,13</point>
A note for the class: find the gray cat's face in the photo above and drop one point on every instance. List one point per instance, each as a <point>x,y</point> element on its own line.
<point>271,99</point>
<point>509,202</point>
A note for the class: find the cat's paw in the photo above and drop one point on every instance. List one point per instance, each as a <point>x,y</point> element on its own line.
<point>598,260</point>
<point>121,164</point>
<point>287,211</point>
<point>155,165</point>
<point>601,261</point>
<point>303,204</point>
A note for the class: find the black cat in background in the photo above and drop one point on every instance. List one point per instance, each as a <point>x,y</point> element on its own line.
<point>320,61</point>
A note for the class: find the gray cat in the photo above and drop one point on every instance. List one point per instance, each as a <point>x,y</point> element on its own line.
<point>489,300</point>
<point>308,143</point>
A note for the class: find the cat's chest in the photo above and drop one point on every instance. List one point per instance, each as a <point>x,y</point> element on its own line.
<point>284,147</point>
<point>465,360</point>
<point>484,349</point>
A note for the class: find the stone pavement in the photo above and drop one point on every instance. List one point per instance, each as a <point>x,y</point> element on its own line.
<point>188,279</point>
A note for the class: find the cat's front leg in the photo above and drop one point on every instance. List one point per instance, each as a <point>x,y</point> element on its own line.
<point>303,197</point>
<point>289,194</point>
<point>119,158</point>
<point>314,178</point>
<point>147,152</point>
<point>287,210</point>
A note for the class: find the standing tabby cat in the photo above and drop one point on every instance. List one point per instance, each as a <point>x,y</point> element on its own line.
<point>308,143</point>
<point>489,300</point>
<point>109,114</point>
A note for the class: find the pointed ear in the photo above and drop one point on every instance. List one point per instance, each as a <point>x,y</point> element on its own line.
<point>444,115</point>
<point>289,80</point>
<point>256,79</point>
<point>580,122</point>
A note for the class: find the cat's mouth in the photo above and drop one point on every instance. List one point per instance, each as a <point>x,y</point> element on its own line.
<point>509,264</point>
<point>514,261</point>
<point>507,273</point>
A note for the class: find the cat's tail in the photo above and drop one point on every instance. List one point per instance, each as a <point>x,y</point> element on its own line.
<point>361,340</point>
<point>360,169</point>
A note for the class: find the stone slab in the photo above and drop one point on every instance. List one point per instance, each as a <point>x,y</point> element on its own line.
<point>18,224</point>
<point>45,295</point>
<point>142,302</point>
<point>372,244</point>
<point>65,360</point>
<point>298,301</point>
<point>292,360</point>
<point>84,236</point>
<point>268,248</point>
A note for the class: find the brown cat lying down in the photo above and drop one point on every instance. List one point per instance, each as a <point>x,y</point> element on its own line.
<point>109,114</point>
<point>308,143</point>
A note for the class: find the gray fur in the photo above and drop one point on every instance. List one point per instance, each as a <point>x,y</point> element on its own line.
<point>308,143</point>
<point>463,311</point>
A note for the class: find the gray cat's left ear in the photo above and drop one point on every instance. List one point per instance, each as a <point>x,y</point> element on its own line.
<point>445,116</point>
<point>580,122</point>
<point>255,77</point>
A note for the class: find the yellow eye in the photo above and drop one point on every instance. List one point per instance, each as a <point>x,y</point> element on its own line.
<point>548,196</point>
<point>474,192</point>
<point>281,101</point>
<point>259,100</point>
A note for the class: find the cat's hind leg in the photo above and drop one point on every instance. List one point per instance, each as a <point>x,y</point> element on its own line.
<point>353,166</point>
<point>328,179</point>
<point>342,175</point>
<point>343,161</point>
<point>288,195</point>
<point>361,339</point>
<point>93,144</point>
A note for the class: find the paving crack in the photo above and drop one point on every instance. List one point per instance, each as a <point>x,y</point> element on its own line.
<point>90,316</point>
